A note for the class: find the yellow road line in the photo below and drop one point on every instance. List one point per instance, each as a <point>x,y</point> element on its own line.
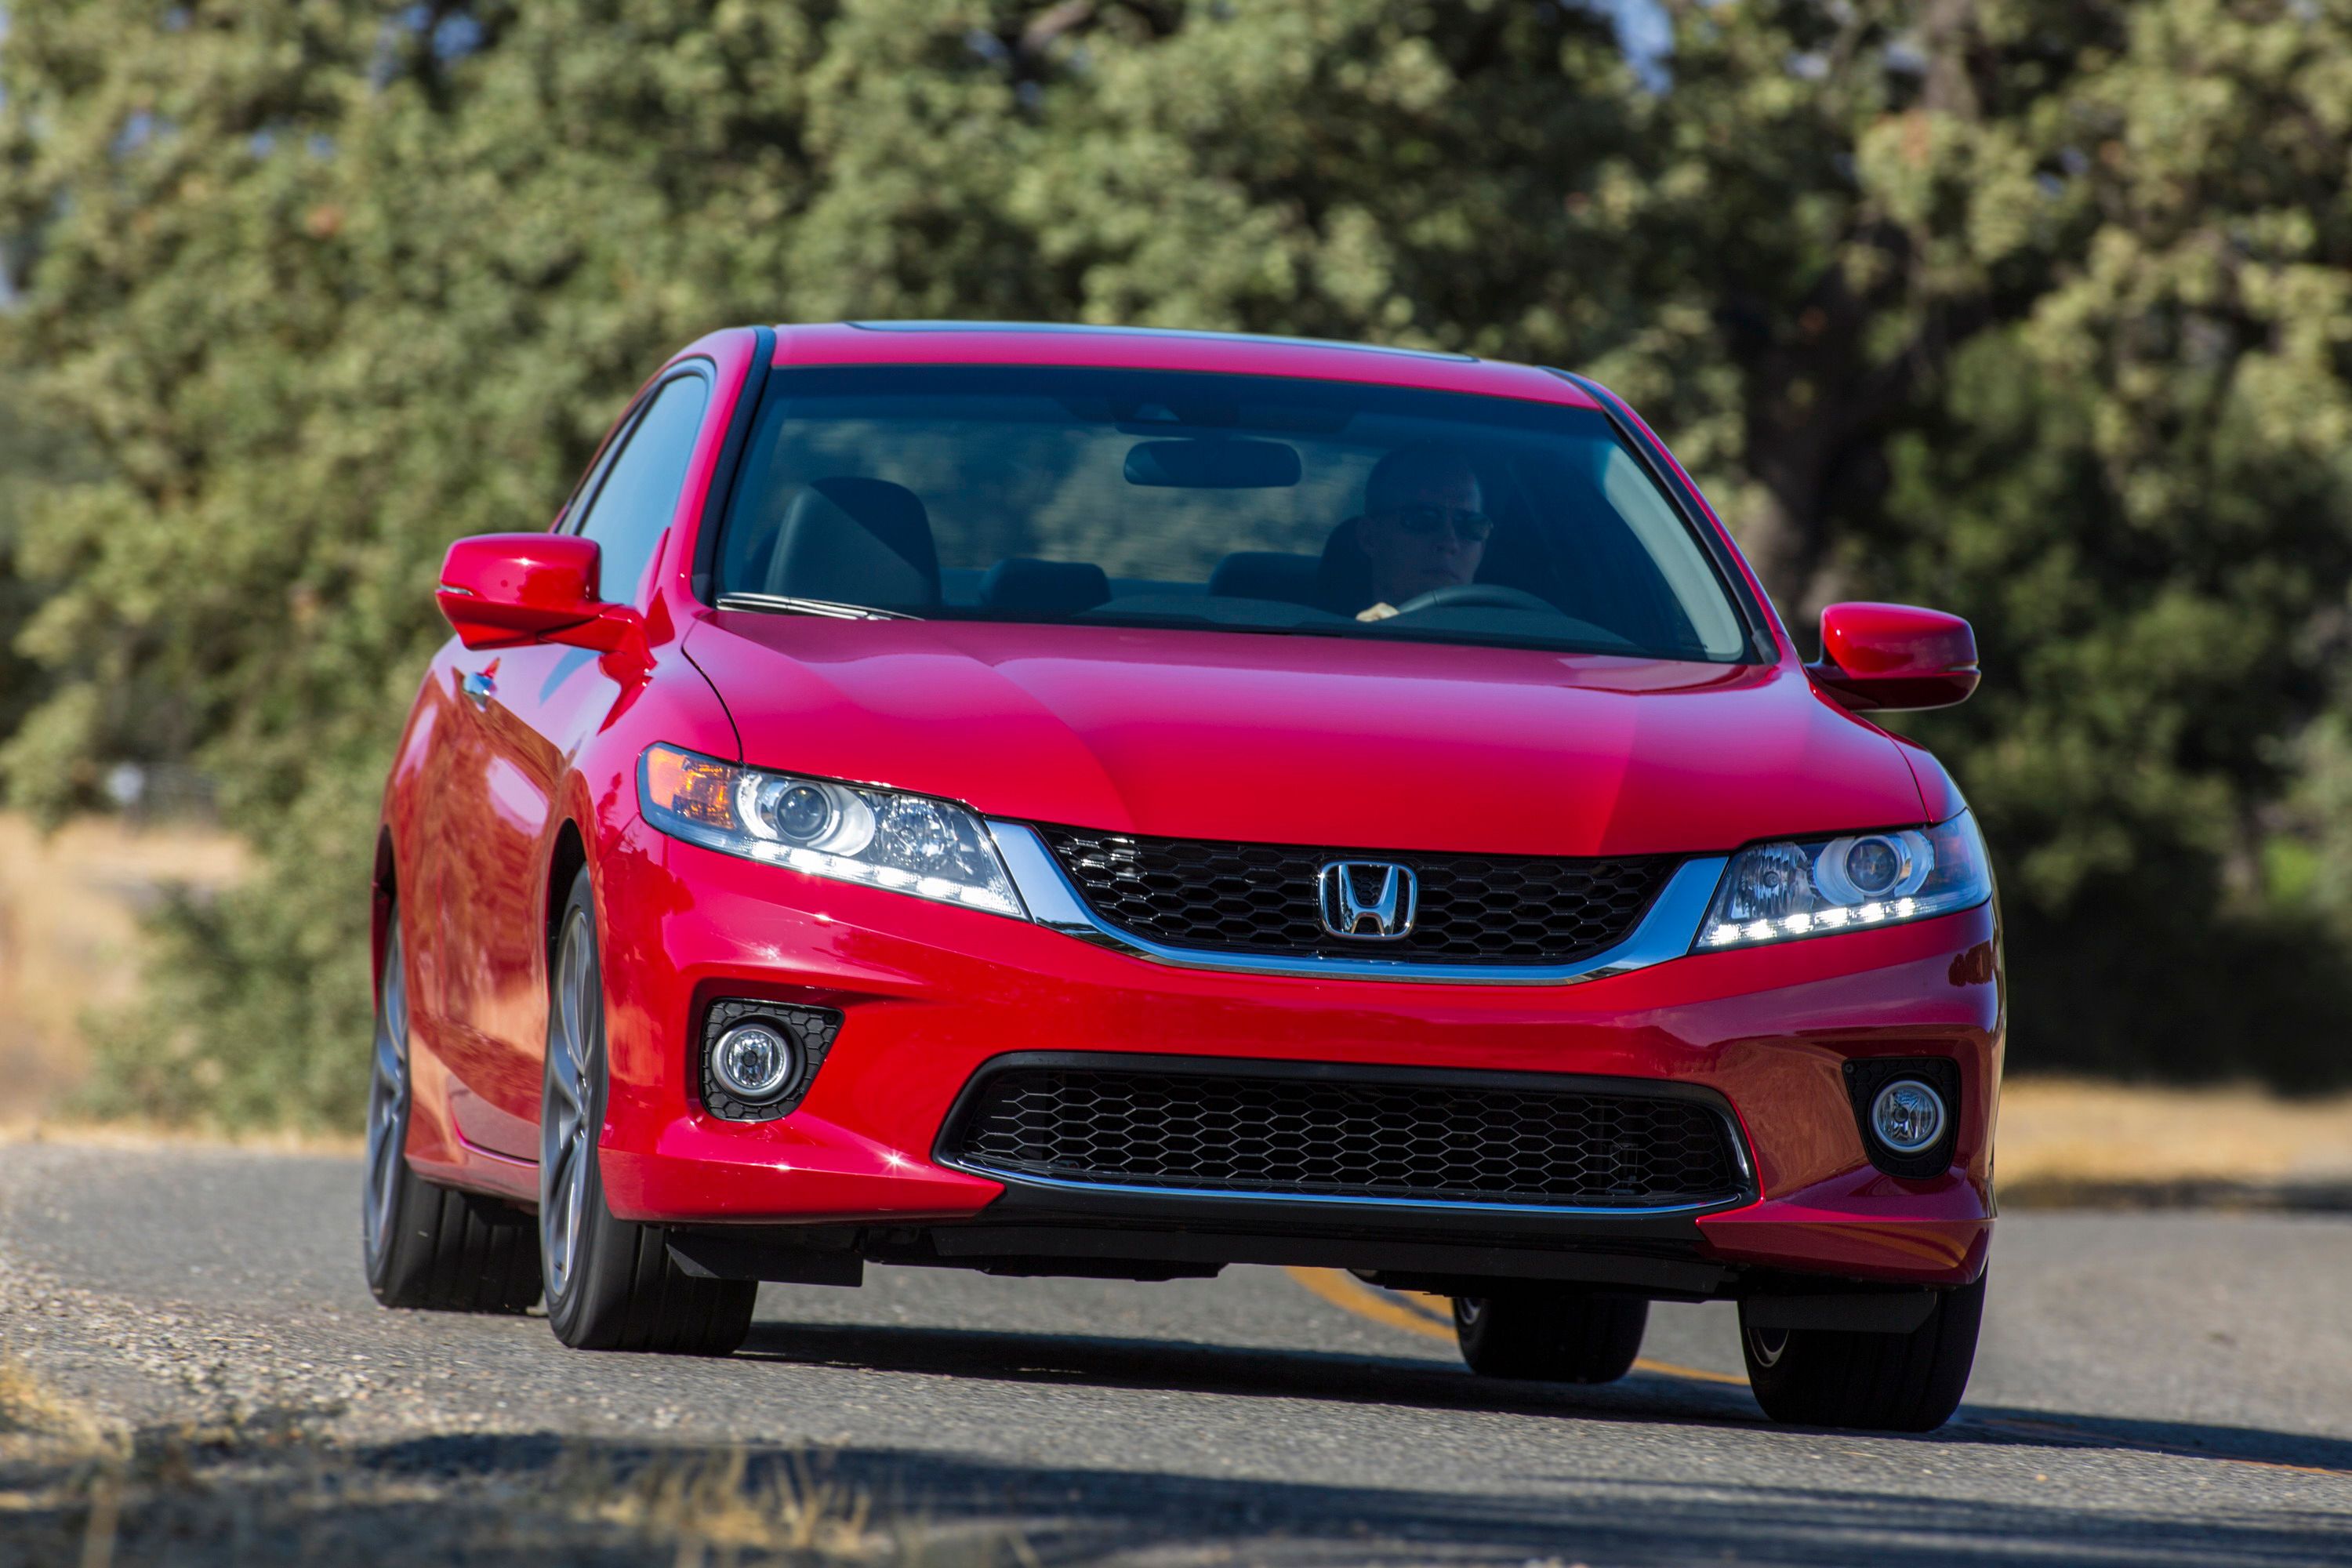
<point>1434,1316</point>
<point>1695,1373</point>
<point>1344,1289</point>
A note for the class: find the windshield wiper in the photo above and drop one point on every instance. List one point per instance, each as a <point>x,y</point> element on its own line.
<point>1146,620</point>
<point>1383,631</point>
<point>786,605</point>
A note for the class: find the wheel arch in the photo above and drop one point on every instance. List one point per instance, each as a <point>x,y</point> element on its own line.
<point>384,888</point>
<point>565,862</point>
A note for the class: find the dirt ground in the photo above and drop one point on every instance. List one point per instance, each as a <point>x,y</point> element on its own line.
<point>69,905</point>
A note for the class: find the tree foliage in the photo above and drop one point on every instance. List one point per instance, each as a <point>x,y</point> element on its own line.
<point>35,456</point>
<point>2036,309</point>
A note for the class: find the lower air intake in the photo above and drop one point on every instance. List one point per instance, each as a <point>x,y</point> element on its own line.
<point>1346,1137</point>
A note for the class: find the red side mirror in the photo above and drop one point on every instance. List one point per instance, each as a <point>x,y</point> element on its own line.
<point>1885,658</point>
<point>502,589</point>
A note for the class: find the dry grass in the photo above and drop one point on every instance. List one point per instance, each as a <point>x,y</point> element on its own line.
<point>55,1454</point>
<point>269,1489</point>
<point>69,909</point>
<point>2065,1139</point>
<point>37,1420</point>
<point>718,1503</point>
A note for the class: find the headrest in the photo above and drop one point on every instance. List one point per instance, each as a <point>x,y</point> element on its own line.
<point>1265,574</point>
<point>858,541</point>
<point>1046,587</point>
<point>1343,577</point>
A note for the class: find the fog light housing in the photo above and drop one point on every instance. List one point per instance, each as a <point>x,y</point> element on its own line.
<point>1906,1110</point>
<point>753,1059</point>
<point>1908,1116</point>
<point>759,1059</point>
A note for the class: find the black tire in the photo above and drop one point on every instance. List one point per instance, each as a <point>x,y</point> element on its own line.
<point>1552,1335</point>
<point>611,1285</point>
<point>1874,1382</point>
<point>425,1246</point>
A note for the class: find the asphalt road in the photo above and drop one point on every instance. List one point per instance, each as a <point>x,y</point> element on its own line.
<point>2163,1388</point>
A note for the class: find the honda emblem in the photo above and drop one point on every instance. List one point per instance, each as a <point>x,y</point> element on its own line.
<point>1371,900</point>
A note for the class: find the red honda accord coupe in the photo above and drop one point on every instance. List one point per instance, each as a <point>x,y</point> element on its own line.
<point>1073,801</point>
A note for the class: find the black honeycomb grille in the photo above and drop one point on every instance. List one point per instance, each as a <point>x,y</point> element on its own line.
<point>1263,898</point>
<point>1345,1138</point>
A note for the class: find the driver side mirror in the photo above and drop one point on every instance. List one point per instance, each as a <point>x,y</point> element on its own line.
<point>1891,658</point>
<point>502,590</point>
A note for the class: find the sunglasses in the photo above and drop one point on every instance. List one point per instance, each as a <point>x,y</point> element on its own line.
<point>1424,521</point>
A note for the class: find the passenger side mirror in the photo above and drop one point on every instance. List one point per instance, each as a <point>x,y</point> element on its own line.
<point>500,590</point>
<point>1889,657</point>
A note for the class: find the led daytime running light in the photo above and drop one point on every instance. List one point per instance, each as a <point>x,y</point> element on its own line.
<point>1731,933</point>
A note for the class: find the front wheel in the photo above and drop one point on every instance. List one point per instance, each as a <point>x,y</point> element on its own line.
<point>1550,1336</point>
<point>422,1244</point>
<point>1876,1382</point>
<point>611,1285</point>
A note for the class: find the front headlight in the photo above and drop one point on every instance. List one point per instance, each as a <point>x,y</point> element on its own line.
<point>1775,892</point>
<point>907,842</point>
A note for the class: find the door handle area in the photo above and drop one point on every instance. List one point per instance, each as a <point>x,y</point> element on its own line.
<point>479,686</point>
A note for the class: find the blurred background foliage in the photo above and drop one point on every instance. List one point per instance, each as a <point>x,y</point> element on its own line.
<point>2039,310</point>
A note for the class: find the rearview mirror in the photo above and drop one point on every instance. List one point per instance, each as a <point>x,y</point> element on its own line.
<point>504,589</point>
<point>1218,463</point>
<point>1890,657</point>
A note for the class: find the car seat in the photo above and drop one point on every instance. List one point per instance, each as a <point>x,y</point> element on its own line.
<point>1266,574</point>
<point>858,541</point>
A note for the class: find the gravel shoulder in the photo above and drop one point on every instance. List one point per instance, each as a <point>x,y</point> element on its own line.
<point>2153,1388</point>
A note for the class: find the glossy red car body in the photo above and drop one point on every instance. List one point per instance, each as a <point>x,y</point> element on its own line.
<point>492,806</point>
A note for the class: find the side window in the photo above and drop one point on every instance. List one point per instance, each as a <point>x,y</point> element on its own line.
<point>635,502</point>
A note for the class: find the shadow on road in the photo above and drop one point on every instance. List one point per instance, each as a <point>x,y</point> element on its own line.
<point>1069,1516</point>
<point>1414,1383</point>
<point>1108,1361</point>
<point>273,1488</point>
<point>527,1500</point>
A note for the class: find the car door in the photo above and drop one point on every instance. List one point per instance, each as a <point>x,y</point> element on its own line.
<point>524,711</point>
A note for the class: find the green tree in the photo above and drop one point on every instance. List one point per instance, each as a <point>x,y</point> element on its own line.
<point>35,456</point>
<point>2030,307</point>
<point>2139,490</point>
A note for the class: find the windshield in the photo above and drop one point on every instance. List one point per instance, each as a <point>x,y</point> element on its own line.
<point>1243,503</point>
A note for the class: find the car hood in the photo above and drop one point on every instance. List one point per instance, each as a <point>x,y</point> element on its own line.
<point>1237,736</point>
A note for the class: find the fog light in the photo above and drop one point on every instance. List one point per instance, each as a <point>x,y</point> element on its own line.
<point>1907,1116</point>
<point>753,1061</point>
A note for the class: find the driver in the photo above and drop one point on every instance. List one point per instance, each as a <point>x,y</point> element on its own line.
<point>1425,527</point>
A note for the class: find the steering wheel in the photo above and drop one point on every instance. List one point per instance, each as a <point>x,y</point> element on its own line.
<point>1467,595</point>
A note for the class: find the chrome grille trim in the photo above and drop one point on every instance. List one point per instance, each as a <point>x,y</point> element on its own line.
<point>1666,932</point>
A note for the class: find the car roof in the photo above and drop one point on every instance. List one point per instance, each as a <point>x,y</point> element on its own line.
<point>1151,348</point>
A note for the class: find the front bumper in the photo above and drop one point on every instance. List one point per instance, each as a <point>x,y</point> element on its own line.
<point>931,992</point>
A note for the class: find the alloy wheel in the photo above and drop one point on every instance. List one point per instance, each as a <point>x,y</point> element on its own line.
<point>567,1125</point>
<point>387,1111</point>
